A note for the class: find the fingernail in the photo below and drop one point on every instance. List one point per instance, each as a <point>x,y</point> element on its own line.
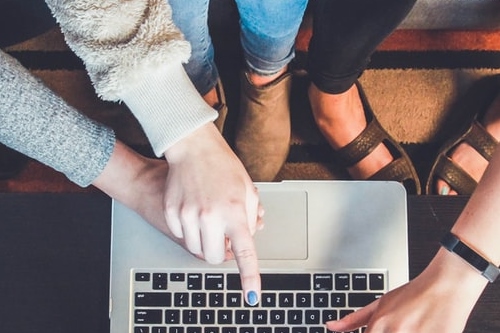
<point>252,298</point>
<point>445,190</point>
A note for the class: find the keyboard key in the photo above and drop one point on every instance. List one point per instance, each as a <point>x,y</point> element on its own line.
<point>160,281</point>
<point>268,300</point>
<point>320,300</point>
<point>242,317</point>
<point>176,329</point>
<point>317,329</point>
<point>189,317</point>
<point>142,277</point>
<point>342,282</point>
<point>216,300</point>
<point>177,277</point>
<point>211,330</point>
<point>281,329</point>
<point>328,315</point>
<point>172,316</point>
<point>214,281</point>
<point>224,317</point>
<point>303,300</point>
<point>194,281</point>
<point>153,299</point>
<point>247,329</point>
<point>259,317</point>
<point>358,300</point>
<point>198,299</point>
<point>285,300</point>
<point>264,330</point>
<point>323,281</point>
<point>196,329</point>
<point>377,282</point>
<point>343,313</point>
<point>207,316</point>
<point>299,330</point>
<point>275,282</point>
<point>181,299</point>
<point>359,281</point>
<point>277,317</point>
<point>338,300</point>
<point>157,329</point>
<point>294,317</point>
<point>229,330</point>
<point>141,329</point>
<point>148,317</point>
<point>233,299</point>
<point>312,317</point>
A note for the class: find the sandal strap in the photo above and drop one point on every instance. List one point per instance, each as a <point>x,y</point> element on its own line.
<point>454,175</point>
<point>482,141</point>
<point>361,146</point>
<point>396,170</point>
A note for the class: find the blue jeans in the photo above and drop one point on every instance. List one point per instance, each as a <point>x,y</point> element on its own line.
<point>268,32</point>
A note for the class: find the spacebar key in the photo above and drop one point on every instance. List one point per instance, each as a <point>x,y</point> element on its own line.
<point>275,281</point>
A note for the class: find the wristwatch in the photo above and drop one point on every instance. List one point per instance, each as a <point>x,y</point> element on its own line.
<point>453,244</point>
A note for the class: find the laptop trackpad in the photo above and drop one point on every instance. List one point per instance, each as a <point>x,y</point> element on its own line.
<point>285,232</point>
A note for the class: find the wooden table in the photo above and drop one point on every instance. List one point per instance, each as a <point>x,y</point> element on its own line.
<point>54,260</point>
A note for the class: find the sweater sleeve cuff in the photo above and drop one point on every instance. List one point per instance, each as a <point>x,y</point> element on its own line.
<point>168,106</point>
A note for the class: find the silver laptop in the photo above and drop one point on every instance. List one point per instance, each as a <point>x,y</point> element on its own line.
<point>327,248</point>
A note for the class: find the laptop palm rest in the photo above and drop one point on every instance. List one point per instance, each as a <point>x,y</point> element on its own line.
<point>288,238</point>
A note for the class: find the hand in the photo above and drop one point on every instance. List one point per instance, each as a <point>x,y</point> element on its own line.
<point>211,202</point>
<point>438,300</point>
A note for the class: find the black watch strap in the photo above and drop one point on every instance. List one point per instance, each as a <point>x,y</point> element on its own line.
<point>453,244</point>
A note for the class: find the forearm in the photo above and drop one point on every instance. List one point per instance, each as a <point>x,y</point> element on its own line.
<point>479,228</point>
<point>478,225</point>
<point>134,53</point>
<point>38,123</point>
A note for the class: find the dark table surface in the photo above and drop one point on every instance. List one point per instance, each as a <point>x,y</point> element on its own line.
<point>54,260</point>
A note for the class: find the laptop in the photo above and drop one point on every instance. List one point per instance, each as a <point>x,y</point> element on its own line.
<point>327,249</point>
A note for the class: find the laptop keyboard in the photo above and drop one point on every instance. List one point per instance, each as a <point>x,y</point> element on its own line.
<point>202,302</point>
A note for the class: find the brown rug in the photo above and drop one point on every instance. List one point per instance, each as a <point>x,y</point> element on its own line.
<point>420,83</point>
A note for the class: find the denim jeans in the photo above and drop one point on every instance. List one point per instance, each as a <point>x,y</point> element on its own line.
<point>268,32</point>
<point>345,34</point>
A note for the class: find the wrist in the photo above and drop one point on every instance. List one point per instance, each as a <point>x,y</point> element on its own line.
<point>478,261</point>
<point>196,142</point>
<point>454,275</point>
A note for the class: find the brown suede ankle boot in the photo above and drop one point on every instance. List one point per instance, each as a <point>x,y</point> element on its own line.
<point>263,130</point>
<point>220,107</point>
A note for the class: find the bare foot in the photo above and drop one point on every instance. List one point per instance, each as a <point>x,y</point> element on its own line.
<point>341,119</point>
<point>467,157</point>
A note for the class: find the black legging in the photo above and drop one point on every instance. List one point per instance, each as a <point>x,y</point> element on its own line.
<point>345,34</point>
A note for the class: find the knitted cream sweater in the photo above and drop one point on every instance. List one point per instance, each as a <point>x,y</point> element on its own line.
<point>134,53</point>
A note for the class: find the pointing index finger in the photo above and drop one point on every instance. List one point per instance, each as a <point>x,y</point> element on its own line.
<point>243,248</point>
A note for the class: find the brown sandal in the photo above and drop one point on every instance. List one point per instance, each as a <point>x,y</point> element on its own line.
<point>401,169</point>
<point>450,172</point>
